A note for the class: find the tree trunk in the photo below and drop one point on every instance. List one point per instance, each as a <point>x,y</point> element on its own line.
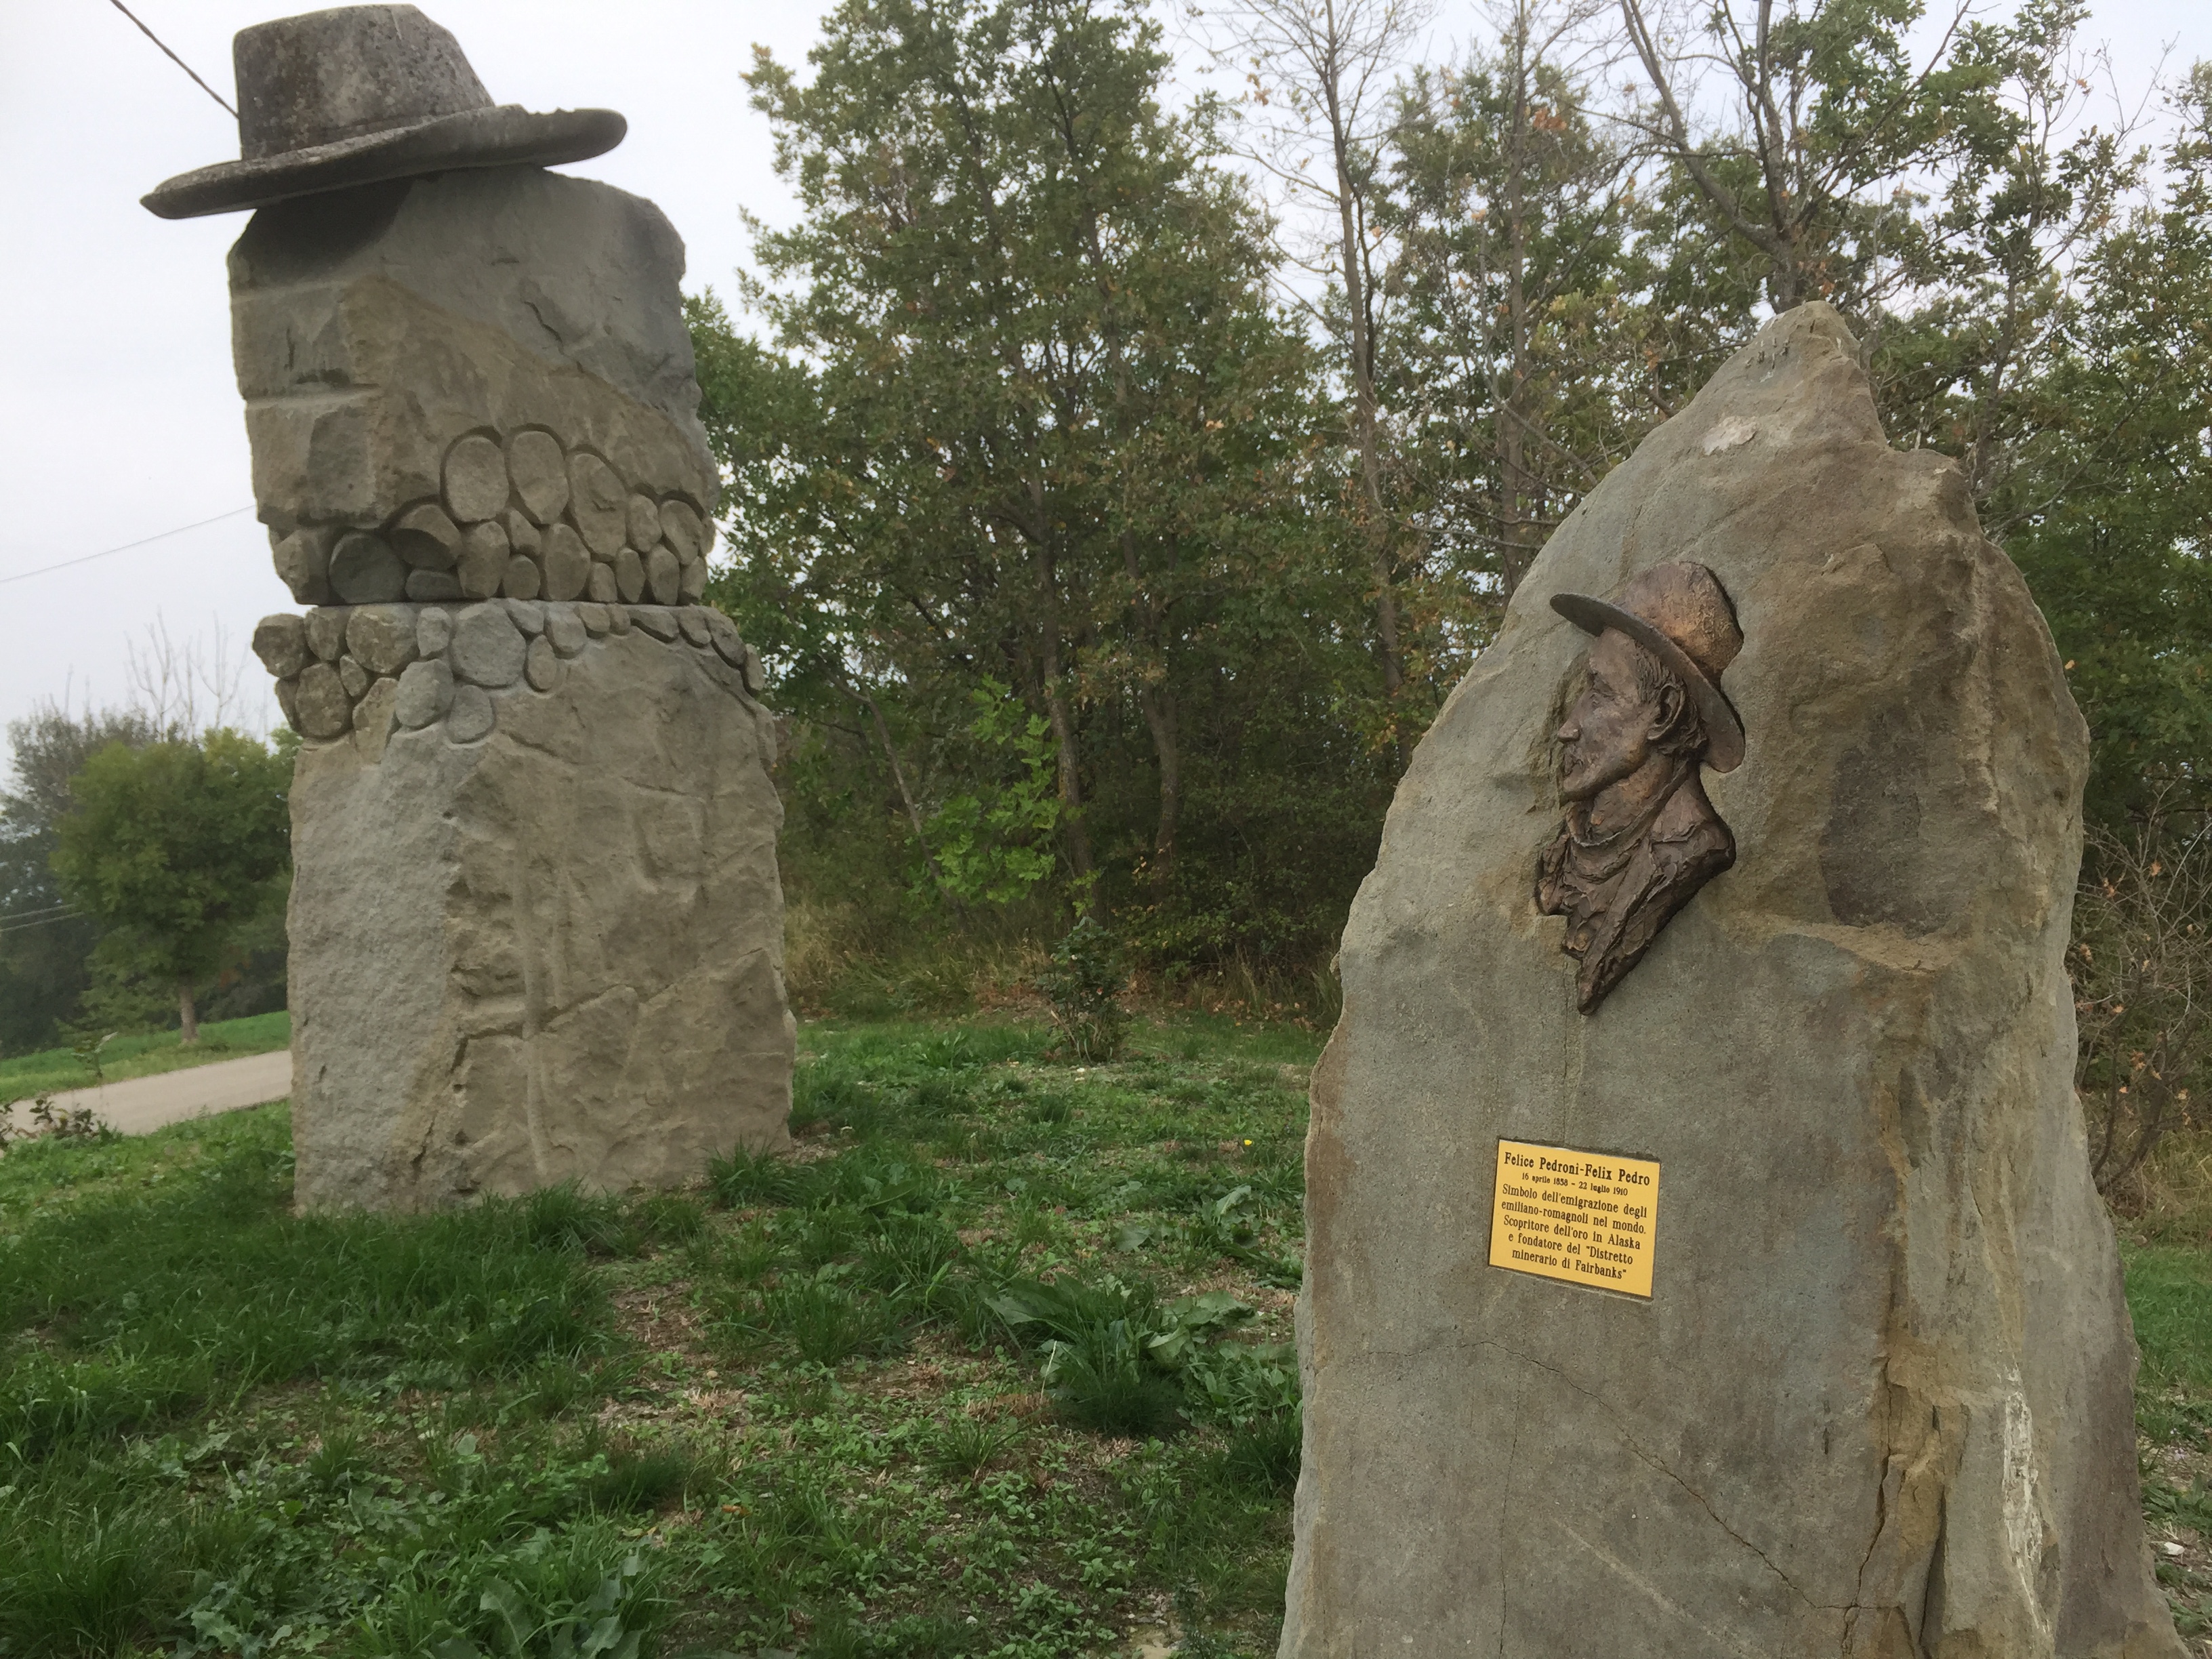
<point>906,795</point>
<point>188,1015</point>
<point>1063,724</point>
<point>1363,398</point>
<point>1513,477</point>
<point>1157,704</point>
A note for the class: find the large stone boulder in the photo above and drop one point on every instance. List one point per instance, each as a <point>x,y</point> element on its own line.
<point>1878,1401</point>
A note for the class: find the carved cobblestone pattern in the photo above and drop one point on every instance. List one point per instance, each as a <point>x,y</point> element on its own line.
<point>333,666</point>
<point>520,516</point>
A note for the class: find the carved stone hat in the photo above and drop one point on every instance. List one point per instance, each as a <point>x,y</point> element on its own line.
<point>1679,613</point>
<point>362,93</point>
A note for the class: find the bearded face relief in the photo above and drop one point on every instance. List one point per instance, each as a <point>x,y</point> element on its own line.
<point>1638,836</point>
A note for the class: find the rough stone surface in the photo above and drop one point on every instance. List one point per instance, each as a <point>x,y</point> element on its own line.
<point>1879,1405</point>
<point>682,527</point>
<point>364,570</point>
<point>324,709</point>
<point>644,522</point>
<point>577,273</point>
<point>691,581</point>
<point>303,564</point>
<point>280,642</point>
<point>594,618</point>
<point>380,334</point>
<point>483,561</point>
<point>524,536</point>
<point>541,666</point>
<point>568,563</point>
<point>536,932</point>
<point>629,576</point>
<point>728,645</point>
<point>426,691</point>
<point>488,648</point>
<point>656,619</point>
<point>598,503</point>
<point>540,472</point>
<point>434,632</point>
<point>471,717</point>
<point>696,629</point>
<point>529,616</point>
<point>663,576</point>
<point>353,677</point>
<point>426,538</point>
<point>565,629</point>
<point>288,699</point>
<point>560,954</point>
<point>476,478</point>
<point>382,637</point>
<point>326,632</point>
<point>617,619</point>
<point>372,718</point>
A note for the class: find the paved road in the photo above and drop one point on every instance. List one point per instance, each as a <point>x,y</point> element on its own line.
<point>148,1102</point>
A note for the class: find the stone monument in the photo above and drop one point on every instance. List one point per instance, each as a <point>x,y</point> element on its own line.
<point>1703,1255</point>
<point>535,923</point>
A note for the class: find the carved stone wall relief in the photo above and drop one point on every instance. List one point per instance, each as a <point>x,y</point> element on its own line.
<point>520,516</point>
<point>366,669</point>
<point>1639,837</point>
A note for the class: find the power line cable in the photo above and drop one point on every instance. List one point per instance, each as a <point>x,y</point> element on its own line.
<point>24,915</point>
<point>24,927</point>
<point>48,570</point>
<point>173,58</point>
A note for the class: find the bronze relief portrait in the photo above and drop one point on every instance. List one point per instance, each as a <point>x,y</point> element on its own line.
<point>1639,836</point>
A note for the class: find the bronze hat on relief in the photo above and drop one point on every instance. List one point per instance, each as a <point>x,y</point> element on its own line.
<point>1679,613</point>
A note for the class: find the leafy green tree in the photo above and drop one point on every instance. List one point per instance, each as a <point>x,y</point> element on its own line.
<point>45,945</point>
<point>1030,410</point>
<point>176,847</point>
<point>1819,115</point>
<point>1515,355</point>
<point>984,843</point>
<point>1029,415</point>
<point>2109,513</point>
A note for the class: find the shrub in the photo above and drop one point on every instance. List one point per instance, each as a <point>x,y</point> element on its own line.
<point>1083,985</point>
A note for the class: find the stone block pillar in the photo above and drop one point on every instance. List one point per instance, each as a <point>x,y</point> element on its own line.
<point>536,924</point>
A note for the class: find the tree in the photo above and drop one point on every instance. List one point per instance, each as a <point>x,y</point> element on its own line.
<point>1319,73</point>
<point>2107,510</point>
<point>1827,117</point>
<point>2142,966</point>
<point>1513,357</point>
<point>174,848</point>
<point>1030,416</point>
<point>46,944</point>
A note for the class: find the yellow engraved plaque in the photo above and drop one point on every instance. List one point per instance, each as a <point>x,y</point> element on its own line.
<point>1588,1217</point>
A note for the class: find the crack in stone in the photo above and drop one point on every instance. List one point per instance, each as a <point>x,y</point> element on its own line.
<point>1628,1441</point>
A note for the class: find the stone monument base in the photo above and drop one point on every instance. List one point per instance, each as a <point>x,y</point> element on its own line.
<point>537,929</point>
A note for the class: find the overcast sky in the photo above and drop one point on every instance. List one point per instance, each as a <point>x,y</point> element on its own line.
<point>121,419</point>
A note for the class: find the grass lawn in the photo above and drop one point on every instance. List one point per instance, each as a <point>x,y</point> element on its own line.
<point>998,1365</point>
<point>2170,1290</point>
<point>55,1071</point>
